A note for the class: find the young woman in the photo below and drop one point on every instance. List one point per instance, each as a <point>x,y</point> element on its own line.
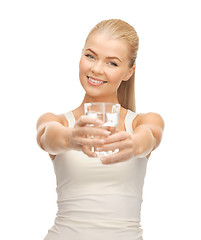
<point>101,197</point>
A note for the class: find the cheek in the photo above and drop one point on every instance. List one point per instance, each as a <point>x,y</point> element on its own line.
<point>81,65</point>
<point>115,76</point>
<point>84,65</point>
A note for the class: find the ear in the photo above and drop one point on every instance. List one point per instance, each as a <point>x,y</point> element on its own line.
<point>130,73</point>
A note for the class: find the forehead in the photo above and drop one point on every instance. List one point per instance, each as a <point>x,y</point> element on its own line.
<point>107,46</point>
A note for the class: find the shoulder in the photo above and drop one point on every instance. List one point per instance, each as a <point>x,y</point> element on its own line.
<point>150,118</point>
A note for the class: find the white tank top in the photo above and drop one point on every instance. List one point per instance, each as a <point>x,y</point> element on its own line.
<point>97,200</point>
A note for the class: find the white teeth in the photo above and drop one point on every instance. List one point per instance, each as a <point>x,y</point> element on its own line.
<point>95,81</point>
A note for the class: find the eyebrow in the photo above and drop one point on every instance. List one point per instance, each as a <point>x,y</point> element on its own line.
<point>106,57</point>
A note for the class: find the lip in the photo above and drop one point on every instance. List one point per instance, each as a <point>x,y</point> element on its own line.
<point>95,83</point>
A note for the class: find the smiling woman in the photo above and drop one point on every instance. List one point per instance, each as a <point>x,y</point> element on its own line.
<point>104,60</point>
<point>99,197</point>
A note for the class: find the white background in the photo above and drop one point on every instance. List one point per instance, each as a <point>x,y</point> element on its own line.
<point>40,47</point>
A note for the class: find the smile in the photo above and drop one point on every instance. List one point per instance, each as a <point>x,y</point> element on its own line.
<point>95,82</point>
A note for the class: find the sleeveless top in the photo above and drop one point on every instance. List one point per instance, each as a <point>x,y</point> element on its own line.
<point>97,201</point>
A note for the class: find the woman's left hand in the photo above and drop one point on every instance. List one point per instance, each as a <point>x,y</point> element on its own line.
<point>123,141</point>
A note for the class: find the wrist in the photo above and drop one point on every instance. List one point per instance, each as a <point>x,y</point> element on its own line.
<point>55,140</point>
<point>144,143</point>
<point>67,136</point>
<point>137,149</point>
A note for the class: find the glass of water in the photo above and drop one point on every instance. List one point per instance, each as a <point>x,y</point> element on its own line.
<point>109,114</point>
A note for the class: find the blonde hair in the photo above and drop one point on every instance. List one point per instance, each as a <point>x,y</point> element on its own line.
<point>118,29</point>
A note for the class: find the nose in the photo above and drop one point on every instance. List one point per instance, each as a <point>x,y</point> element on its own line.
<point>97,68</point>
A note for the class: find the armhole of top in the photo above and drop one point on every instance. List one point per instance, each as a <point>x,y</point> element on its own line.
<point>70,118</point>
<point>129,120</point>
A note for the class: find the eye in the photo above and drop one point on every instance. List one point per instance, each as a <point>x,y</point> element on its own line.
<point>89,56</point>
<point>113,64</point>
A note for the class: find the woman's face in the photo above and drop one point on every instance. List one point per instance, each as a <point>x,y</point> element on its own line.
<point>103,65</point>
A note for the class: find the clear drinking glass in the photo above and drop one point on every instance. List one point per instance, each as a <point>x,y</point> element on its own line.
<point>109,114</point>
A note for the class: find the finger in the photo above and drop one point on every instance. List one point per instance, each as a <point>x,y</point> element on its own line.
<point>91,131</point>
<point>96,131</point>
<point>83,120</point>
<point>119,136</point>
<point>90,142</point>
<point>110,147</point>
<point>116,157</point>
<point>88,152</point>
<point>121,145</point>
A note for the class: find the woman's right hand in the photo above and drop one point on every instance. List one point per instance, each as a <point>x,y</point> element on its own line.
<point>78,136</point>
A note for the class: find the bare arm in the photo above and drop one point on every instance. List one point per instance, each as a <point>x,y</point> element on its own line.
<point>54,136</point>
<point>52,133</point>
<point>148,133</point>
